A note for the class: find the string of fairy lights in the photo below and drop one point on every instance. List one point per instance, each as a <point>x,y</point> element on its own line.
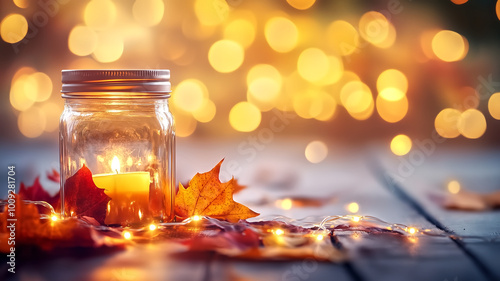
<point>315,229</point>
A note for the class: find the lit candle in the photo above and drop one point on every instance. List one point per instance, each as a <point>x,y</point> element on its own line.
<point>129,194</point>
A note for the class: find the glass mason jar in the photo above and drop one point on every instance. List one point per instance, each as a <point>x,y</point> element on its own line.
<point>118,124</point>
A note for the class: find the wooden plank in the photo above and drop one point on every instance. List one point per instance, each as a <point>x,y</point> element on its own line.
<point>345,174</point>
<point>138,262</point>
<point>227,269</point>
<point>478,171</point>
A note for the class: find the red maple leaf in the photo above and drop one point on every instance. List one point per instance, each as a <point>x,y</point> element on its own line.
<point>53,176</point>
<point>37,193</point>
<point>83,197</point>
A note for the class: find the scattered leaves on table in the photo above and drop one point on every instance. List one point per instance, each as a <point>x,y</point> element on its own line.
<point>83,197</point>
<point>208,196</point>
<point>257,241</point>
<point>37,193</point>
<point>473,201</point>
<point>47,234</point>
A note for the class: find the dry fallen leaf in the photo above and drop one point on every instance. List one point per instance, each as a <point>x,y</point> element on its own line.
<point>46,234</point>
<point>37,193</point>
<point>207,196</point>
<point>83,197</point>
<point>472,201</point>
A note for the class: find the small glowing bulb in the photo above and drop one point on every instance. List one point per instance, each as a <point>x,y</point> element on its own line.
<point>356,218</point>
<point>412,230</point>
<point>353,207</point>
<point>152,227</point>
<point>279,232</point>
<point>286,204</point>
<point>54,218</point>
<point>319,237</point>
<point>127,235</point>
<point>196,218</point>
<point>454,187</point>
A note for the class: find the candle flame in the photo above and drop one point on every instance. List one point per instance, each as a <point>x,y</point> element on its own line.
<point>115,165</point>
<point>279,232</point>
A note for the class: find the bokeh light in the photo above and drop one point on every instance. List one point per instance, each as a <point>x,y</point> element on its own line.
<point>459,2</point>
<point>328,107</point>
<point>316,151</point>
<point>82,40</point>
<point>374,27</point>
<point>449,46</point>
<point>301,4</point>
<point>392,84</point>
<point>29,87</point>
<point>148,12</point>
<point>110,47</point>
<point>313,65</point>
<point>185,123</point>
<point>100,14</point>
<point>342,37</point>
<point>31,122</point>
<point>281,34</point>
<point>226,56</point>
<point>392,111</point>
<point>314,103</point>
<point>401,145</point>
<point>23,4</point>
<point>497,8</point>
<point>472,124</point>
<point>206,112</point>
<point>211,12</point>
<point>264,82</point>
<point>353,207</point>
<point>446,123</point>
<point>13,28</point>
<point>20,97</point>
<point>285,204</point>
<point>244,117</point>
<point>494,106</point>
<point>454,187</point>
<point>241,31</point>
<point>42,86</point>
<point>335,71</point>
<point>190,95</point>
<point>356,97</point>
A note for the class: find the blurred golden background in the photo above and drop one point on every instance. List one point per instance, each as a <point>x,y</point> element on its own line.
<point>352,71</point>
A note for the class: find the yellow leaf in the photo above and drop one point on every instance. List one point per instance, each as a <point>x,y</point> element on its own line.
<point>208,196</point>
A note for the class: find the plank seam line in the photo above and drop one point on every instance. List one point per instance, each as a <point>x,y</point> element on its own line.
<point>390,183</point>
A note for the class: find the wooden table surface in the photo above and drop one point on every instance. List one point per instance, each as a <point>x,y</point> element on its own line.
<point>349,174</point>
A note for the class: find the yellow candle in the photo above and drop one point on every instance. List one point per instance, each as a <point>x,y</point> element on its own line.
<point>129,194</point>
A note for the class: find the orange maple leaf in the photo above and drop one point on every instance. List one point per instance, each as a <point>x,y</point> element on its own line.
<point>208,196</point>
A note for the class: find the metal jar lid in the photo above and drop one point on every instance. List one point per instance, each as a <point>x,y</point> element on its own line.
<point>116,82</point>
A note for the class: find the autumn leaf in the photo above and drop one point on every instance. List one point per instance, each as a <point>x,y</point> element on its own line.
<point>473,201</point>
<point>37,193</point>
<point>83,197</point>
<point>54,176</point>
<point>208,196</point>
<point>47,234</point>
